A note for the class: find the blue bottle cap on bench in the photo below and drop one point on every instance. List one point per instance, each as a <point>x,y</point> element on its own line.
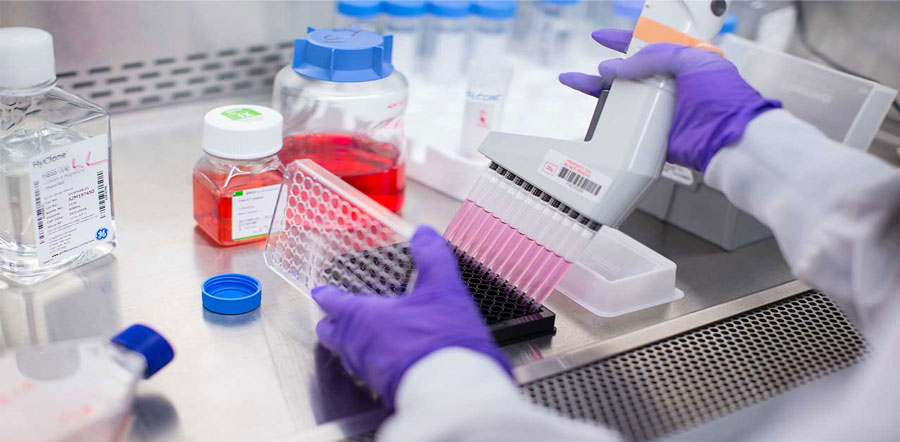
<point>232,294</point>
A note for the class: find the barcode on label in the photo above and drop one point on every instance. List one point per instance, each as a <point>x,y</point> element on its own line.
<point>101,193</point>
<point>39,211</point>
<point>579,180</point>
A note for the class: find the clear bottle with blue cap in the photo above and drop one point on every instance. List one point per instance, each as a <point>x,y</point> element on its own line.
<point>446,39</point>
<point>77,390</point>
<point>492,28</point>
<point>405,21</point>
<point>343,103</point>
<point>362,14</point>
<point>556,19</point>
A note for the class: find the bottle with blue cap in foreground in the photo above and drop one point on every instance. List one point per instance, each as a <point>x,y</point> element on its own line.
<point>76,390</point>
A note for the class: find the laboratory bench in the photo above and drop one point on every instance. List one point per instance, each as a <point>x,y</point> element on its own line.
<point>262,375</point>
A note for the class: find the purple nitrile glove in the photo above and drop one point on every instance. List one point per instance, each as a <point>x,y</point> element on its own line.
<point>380,337</point>
<point>713,106</point>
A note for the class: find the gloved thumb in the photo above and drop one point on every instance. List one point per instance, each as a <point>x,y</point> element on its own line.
<point>435,263</point>
<point>333,300</point>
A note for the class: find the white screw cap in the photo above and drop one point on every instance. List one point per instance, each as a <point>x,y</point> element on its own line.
<point>26,58</point>
<point>242,132</point>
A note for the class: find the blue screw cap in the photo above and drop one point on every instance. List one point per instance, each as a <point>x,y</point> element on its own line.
<point>403,8</point>
<point>146,341</point>
<point>449,8</point>
<point>495,9</point>
<point>359,8</point>
<point>232,294</point>
<point>343,55</point>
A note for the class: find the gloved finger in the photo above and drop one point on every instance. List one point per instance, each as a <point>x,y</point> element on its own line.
<point>589,84</point>
<point>615,39</point>
<point>333,300</point>
<point>326,329</point>
<point>653,59</point>
<point>435,263</point>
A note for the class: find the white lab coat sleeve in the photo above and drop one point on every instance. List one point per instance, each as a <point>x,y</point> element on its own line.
<point>456,394</point>
<point>834,210</point>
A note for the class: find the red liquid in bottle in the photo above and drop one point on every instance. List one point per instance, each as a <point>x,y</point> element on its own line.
<point>373,167</point>
<point>213,201</point>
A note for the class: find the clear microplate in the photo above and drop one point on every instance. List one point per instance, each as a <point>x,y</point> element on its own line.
<point>616,274</point>
<point>326,232</point>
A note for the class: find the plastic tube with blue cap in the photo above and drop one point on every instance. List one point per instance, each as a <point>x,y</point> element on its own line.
<point>446,39</point>
<point>362,14</point>
<point>405,20</point>
<point>492,27</point>
<point>555,21</point>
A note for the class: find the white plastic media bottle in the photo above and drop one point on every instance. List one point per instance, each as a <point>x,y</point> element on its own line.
<point>77,390</point>
<point>55,189</point>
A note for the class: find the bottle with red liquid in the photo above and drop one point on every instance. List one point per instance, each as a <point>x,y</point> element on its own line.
<point>343,105</point>
<point>237,181</point>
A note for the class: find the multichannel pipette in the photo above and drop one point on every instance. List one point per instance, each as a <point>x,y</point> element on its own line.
<point>542,200</point>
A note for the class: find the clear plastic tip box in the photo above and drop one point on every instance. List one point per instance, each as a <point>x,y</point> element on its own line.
<point>326,232</point>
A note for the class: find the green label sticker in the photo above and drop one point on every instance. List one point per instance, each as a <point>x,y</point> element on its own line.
<point>242,114</point>
<point>238,193</point>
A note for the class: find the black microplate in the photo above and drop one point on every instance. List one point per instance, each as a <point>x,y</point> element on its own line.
<point>509,314</point>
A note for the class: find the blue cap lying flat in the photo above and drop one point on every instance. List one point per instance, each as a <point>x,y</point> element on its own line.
<point>232,294</point>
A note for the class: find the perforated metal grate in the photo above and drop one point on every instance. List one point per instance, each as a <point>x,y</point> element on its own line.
<point>145,83</point>
<point>692,378</point>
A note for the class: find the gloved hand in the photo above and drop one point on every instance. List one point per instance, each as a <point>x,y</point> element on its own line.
<point>713,106</point>
<point>380,337</point>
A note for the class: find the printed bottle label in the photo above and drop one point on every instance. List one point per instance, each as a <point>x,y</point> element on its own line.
<point>70,196</point>
<point>251,211</point>
<point>585,181</point>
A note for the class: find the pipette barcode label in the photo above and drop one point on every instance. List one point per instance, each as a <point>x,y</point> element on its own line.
<point>585,181</point>
<point>578,180</point>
